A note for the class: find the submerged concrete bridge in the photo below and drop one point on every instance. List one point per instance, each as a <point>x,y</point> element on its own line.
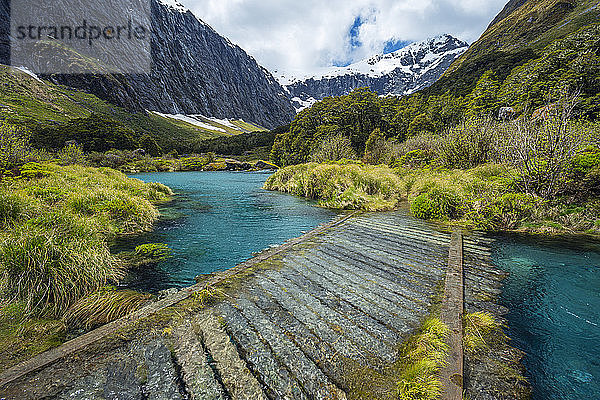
<point>321,317</point>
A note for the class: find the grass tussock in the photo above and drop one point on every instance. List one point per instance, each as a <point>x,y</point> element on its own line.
<point>341,185</point>
<point>103,306</point>
<point>146,255</point>
<point>56,230</point>
<point>423,356</point>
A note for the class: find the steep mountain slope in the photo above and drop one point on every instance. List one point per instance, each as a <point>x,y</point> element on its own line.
<point>194,71</point>
<point>55,114</point>
<point>531,24</point>
<point>399,73</point>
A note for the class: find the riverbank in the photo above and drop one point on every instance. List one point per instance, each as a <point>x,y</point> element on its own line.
<point>482,198</point>
<point>57,223</point>
<point>132,162</point>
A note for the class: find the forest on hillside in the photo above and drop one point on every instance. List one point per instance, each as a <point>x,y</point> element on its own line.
<point>524,81</point>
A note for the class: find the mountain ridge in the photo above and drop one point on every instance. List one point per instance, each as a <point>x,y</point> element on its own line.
<point>195,70</point>
<point>402,72</point>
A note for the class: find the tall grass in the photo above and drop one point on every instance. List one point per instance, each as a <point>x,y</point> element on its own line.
<point>103,306</point>
<point>57,223</point>
<point>341,185</point>
<point>423,356</point>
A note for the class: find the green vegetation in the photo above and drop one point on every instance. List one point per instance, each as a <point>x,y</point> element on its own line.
<point>147,254</point>
<point>55,115</point>
<point>236,145</point>
<point>487,349</point>
<point>103,306</point>
<point>343,185</point>
<point>481,330</point>
<point>56,225</point>
<point>524,79</point>
<point>422,358</point>
<point>541,176</point>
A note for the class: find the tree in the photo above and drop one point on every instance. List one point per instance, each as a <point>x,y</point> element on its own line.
<point>333,148</point>
<point>375,148</point>
<point>484,98</point>
<point>421,124</point>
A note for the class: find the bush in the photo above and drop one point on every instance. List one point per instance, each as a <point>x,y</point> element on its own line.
<point>542,152</point>
<point>14,146</point>
<point>512,209</point>
<point>377,149</point>
<point>333,148</point>
<point>14,207</point>
<point>146,254</point>
<point>71,154</point>
<point>437,204</point>
<point>418,151</point>
<point>469,144</point>
<point>49,271</point>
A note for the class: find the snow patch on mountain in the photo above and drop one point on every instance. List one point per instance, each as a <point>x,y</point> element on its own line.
<point>175,5</point>
<point>300,104</point>
<point>28,72</point>
<point>190,119</point>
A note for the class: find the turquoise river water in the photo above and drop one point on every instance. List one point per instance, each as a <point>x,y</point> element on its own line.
<point>553,292</point>
<point>217,221</point>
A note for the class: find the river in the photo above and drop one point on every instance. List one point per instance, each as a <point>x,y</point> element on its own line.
<point>553,291</point>
<point>217,220</point>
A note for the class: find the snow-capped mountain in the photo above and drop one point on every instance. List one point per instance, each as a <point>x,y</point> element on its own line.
<point>402,72</point>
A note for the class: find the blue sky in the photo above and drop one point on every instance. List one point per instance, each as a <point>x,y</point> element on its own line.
<point>304,36</point>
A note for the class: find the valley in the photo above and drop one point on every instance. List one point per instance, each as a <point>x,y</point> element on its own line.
<point>412,219</point>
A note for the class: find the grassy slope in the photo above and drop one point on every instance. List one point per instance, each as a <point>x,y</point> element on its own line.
<point>27,101</point>
<point>534,25</point>
<point>518,35</point>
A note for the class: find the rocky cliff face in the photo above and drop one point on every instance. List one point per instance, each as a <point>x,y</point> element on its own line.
<point>194,71</point>
<point>405,71</point>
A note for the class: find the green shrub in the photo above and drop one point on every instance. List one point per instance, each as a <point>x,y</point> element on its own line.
<point>510,210</point>
<point>71,154</point>
<point>155,251</point>
<point>14,145</point>
<point>437,204</point>
<point>415,158</point>
<point>469,144</point>
<point>586,161</point>
<point>146,254</point>
<point>34,170</point>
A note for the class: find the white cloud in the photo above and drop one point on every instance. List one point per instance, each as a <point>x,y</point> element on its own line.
<point>304,35</point>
